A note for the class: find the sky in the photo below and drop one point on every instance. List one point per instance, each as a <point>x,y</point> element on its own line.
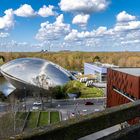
<point>76,25</point>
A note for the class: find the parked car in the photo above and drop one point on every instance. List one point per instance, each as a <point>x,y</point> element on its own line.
<point>88,103</point>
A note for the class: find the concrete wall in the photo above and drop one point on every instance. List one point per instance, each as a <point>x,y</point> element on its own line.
<point>92,69</point>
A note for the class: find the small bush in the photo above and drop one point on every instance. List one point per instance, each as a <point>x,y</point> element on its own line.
<point>58,93</point>
<point>2,96</point>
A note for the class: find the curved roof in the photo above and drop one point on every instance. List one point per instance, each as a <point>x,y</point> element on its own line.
<point>35,71</point>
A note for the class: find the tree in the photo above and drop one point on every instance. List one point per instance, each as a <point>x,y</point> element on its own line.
<point>2,57</point>
<point>13,110</point>
<point>58,93</point>
<point>96,59</point>
<point>44,83</point>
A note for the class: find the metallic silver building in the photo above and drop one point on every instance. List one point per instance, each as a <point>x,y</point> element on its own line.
<point>34,73</point>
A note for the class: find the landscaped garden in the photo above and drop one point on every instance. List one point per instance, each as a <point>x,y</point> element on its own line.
<point>32,120</point>
<point>44,119</point>
<point>15,123</point>
<point>54,117</point>
<point>41,118</point>
<point>78,88</point>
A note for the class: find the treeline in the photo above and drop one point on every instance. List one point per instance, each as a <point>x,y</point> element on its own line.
<point>76,60</point>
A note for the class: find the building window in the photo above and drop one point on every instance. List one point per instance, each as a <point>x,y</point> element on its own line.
<point>125,94</point>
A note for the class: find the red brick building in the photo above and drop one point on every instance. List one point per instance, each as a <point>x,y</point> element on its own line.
<point>123,85</point>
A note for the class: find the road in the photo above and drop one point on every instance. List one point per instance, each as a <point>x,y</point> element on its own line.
<point>64,106</point>
<point>69,109</point>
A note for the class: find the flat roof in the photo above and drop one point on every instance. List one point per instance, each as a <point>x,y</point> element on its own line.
<point>131,71</point>
<point>103,65</point>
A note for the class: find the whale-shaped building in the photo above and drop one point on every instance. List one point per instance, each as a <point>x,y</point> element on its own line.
<point>34,73</point>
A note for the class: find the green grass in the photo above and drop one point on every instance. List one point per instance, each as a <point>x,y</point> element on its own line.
<point>6,123</point>
<point>1,62</point>
<point>21,115</point>
<point>20,118</point>
<point>32,120</point>
<point>91,92</point>
<point>86,92</point>
<point>54,117</point>
<point>44,116</point>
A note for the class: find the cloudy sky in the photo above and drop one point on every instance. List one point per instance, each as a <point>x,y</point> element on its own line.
<point>83,25</point>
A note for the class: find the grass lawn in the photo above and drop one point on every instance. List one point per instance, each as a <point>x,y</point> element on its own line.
<point>90,92</point>
<point>32,120</point>
<point>44,116</point>
<point>54,117</point>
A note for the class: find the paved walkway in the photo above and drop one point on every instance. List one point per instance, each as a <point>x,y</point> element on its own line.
<point>102,133</point>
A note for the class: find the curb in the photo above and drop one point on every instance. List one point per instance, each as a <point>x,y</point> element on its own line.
<point>49,119</point>
<point>25,121</point>
<point>38,118</point>
<point>60,116</point>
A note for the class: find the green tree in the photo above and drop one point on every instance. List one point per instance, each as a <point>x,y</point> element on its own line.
<point>97,59</point>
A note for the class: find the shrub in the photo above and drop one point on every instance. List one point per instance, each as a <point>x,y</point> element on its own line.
<point>74,90</point>
<point>58,93</point>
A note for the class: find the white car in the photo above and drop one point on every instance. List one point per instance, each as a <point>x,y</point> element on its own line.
<point>35,107</point>
<point>37,103</point>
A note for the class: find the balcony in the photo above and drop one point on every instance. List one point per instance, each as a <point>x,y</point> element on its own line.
<point>81,126</point>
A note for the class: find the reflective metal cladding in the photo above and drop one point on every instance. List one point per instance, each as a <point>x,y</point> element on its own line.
<point>35,72</point>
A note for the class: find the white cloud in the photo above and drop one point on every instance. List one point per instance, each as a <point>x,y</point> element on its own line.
<point>124,16</point>
<point>123,35</point>
<point>74,35</point>
<point>7,21</point>
<point>25,11</point>
<point>81,19</point>
<point>131,25</point>
<point>130,41</point>
<point>58,34</point>
<point>53,31</point>
<point>4,35</point>
<point>46,11</point>
<point>84,6</point>
<point>101,30</point>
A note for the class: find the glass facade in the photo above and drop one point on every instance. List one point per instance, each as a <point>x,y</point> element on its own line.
<point>34,71</point>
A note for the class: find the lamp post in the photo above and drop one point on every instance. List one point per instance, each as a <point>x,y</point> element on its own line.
<point>25,98</point>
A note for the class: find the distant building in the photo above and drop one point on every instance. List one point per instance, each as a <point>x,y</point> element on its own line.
<point>44,51</point>
<point>98,69</point>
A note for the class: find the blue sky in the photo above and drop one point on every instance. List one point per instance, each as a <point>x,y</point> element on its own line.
<point>83,25</point>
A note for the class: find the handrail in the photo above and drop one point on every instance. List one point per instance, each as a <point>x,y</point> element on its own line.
<point>81,126</point>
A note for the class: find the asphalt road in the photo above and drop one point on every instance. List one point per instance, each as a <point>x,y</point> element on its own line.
<point>64,106</point>
<point>69,109</point>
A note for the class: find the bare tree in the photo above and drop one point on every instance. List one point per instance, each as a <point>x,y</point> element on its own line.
<point>44,83</point>
<point>13,110</point>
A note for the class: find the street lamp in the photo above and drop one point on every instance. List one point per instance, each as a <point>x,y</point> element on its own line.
<point>25,98</point>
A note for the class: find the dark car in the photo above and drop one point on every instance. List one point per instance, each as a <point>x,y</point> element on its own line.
<point>88,103</point>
